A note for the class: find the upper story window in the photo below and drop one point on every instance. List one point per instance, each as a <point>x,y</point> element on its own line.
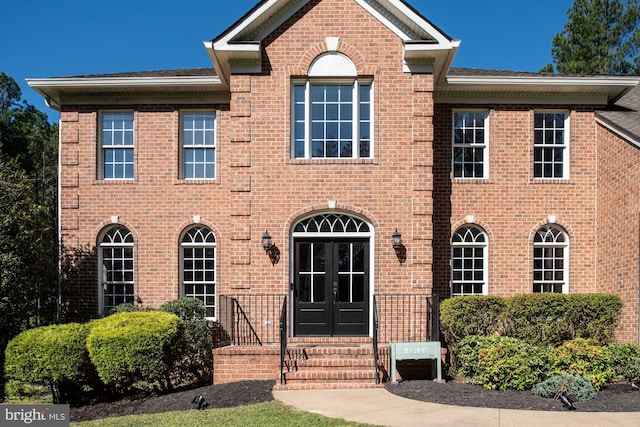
<point>551,145</point>
<point>550,260</point>
<point>116,268</point>
<point>469,261</point>
<point>199,145</point>
<point>332,112</point>
<point>470,142</point>
<point>116,141</point>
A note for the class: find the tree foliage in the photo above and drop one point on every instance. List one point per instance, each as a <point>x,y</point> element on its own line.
<point>28,228</point>
<point>600,37</point>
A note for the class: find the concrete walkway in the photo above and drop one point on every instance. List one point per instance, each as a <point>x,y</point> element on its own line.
<point>379,407</point>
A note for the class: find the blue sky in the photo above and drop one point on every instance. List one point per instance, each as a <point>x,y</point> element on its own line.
<point>45,38</point>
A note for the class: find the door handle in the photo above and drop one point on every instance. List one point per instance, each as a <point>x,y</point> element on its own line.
<point>335,292</point>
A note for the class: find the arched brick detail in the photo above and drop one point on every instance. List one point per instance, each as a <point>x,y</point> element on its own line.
<point>108,223</point>
<point>477,222</point>
<point>340,208</point>
<point>557,222</point>
<point>346,49</point>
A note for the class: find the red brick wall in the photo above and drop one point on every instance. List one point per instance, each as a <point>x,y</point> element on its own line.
<point>510,205</point>
<point>246,363</point>
<point>259,186</point>
<point>619,227</point>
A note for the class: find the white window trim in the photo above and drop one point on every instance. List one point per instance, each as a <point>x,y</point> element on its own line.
<point>487,140</point>
<point>102,147</point>
<point>182,146</point>
<point>565,258</point>
<point>355,82</point>
<point>485,259</point>
<point>566,155</point>
<point>181,246</point>
<point>101,271</point>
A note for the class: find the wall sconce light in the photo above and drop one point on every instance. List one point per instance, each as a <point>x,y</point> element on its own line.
<point>398,247</point>
<point>270,248</point>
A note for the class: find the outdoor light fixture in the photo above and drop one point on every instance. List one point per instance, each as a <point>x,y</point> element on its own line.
<point>266,241</point>
<point>398,247</point>
<point>270,249</point>
<point>200,403</point>
<point>567,402</point>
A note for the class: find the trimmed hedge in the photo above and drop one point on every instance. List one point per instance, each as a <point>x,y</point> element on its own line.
<point>625,362</point>
<point>539,319</point>
<point>51,355</point>
<point>193,349</point>
<point>134,347</point>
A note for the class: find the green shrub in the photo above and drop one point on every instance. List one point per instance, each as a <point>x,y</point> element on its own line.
<point>594,316</point>
<point>511,364</point>
<point>585,358</point>
<point>470,315</point>
<point>51,355</point>
<point>193,349</point>
<point>539,319</point>
<point>466,354</point>
<point>125,307</point>
<point>556,385</point>
<point>625,362</point>
<point>134,348</point>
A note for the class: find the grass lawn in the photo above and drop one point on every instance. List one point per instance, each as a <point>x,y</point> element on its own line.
<point>261,414</point>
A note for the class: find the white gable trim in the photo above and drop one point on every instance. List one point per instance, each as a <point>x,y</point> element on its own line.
<point>632,139</point>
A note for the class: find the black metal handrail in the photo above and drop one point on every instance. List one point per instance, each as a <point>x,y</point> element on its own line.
<point>396,325</point>
<point>250,319</point>
<point>283,337</point>
<point>376,326</point>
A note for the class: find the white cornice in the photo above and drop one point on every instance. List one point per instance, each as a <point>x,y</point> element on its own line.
<point>101,82</point>
<point>619,81</point>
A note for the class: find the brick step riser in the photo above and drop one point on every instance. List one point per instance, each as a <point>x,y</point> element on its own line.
<point>331,376</point>
<point>334,363</point>
<point>325,386</point>
<point>309,353</point>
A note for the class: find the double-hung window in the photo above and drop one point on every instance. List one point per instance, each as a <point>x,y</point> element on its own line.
<point>116,268</point>
<point>470,140</point>
<point>199,145</point>
<point>332,119</point>
<point>550,145</point>
<point>469,262</point>
<point>550,260</point>
<point>116,138</point>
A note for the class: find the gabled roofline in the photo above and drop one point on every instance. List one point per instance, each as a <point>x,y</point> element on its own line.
<point>427,48</point>
<point>621,132</point>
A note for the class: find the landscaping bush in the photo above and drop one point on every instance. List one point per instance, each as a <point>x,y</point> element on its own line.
<point>582,357</point>
<point>466,354</point>
<point>470,315</point>
<point>625,362</point>
<point>511,364</point>
<point>193,349</point>
<point>594,316</point>
<point>51,355</point>
<point>539,319</point>
<point>125,307</point>
<point>553,387</point>
<point>134,348</point>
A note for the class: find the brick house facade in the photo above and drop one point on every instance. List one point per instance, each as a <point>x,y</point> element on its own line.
<point>333,124</point>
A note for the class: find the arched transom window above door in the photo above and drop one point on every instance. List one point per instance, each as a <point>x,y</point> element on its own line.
<point>332,223</point>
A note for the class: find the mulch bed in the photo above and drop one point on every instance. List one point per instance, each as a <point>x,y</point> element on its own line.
<point>612,398</point>
<point>217,396</point>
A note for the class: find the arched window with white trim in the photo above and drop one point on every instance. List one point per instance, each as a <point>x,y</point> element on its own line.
<point>198,267</point>
<point>116,268</point>
<point>550,260</point>
<point>469,261</point>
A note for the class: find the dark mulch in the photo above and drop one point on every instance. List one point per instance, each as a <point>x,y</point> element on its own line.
<point>612,398</point>
<point>217,396</point>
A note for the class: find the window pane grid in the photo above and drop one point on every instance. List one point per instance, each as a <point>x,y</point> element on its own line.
<point>468,253</point>
<point>469,144</point>
<point>549,253</point>
<point>117,145</point>
<point>199,267</point>
<point>117,268</point>
<point>331,120</point>
<point>549,145</point>
<point>199,145</point>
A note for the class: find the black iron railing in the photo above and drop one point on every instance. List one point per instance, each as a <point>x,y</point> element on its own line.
<point>407,317</point>
<point>283,337</point>
<point>250,319</point>
<point>376,326</point>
